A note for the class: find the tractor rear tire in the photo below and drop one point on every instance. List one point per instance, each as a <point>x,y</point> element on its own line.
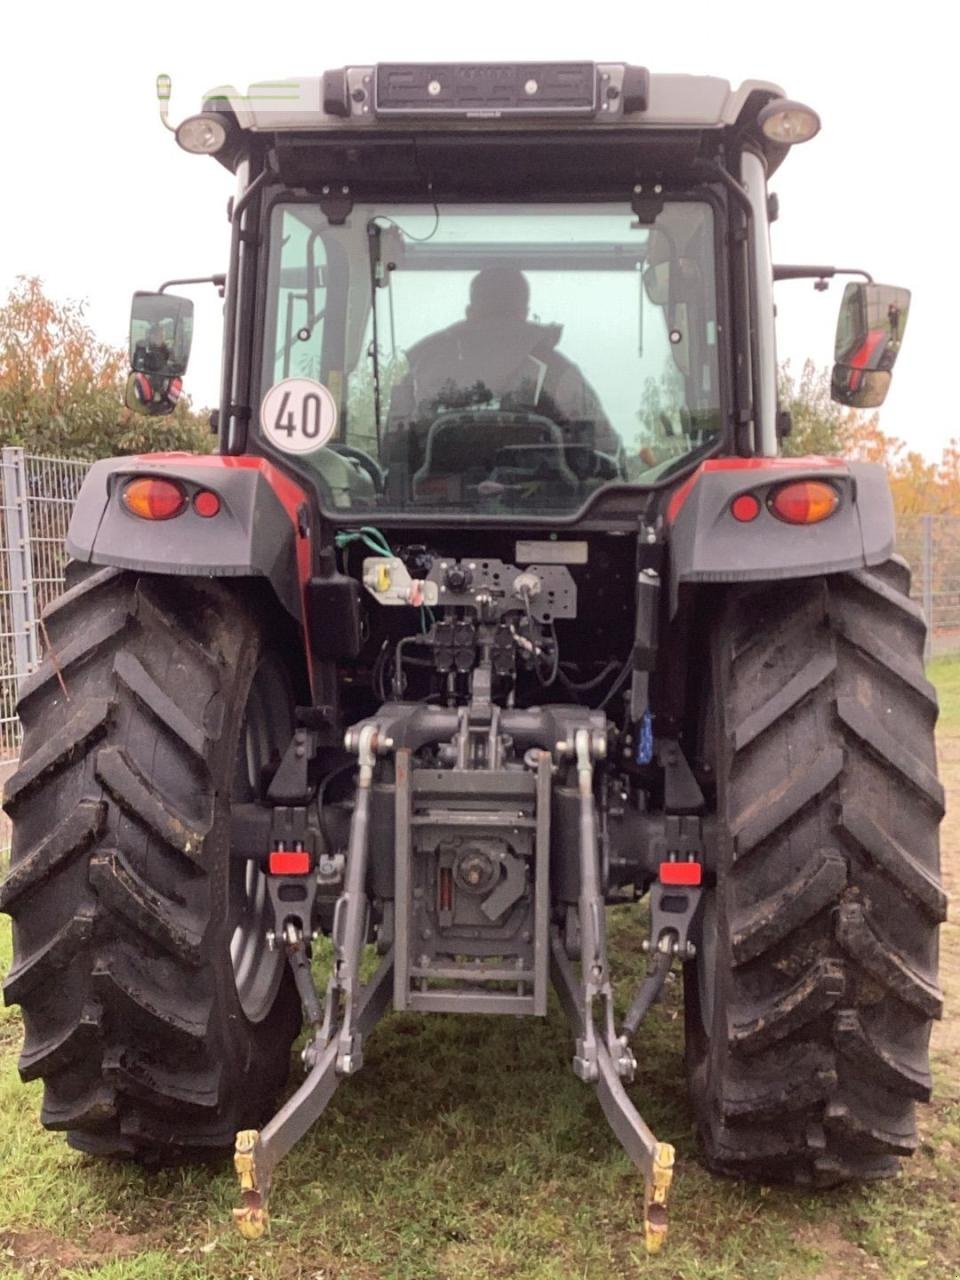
<point>809,1005</point>
<point>153,1012</point>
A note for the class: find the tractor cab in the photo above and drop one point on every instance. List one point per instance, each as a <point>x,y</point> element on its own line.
<point>501,291</point>
<point>512,291</point>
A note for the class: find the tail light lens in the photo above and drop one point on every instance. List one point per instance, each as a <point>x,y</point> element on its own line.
<point>804,501</point>
<point>745,508</point>
<point>153,499</point>
<point>206,503</point>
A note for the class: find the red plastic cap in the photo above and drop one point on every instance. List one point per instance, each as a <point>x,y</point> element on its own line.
<point>206,503</point>
<point>289,862</point>
<point>687,873</point>
<point>152,498</point>
<point>745,508</point>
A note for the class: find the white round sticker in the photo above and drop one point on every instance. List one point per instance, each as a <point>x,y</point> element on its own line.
<point>298,415</point>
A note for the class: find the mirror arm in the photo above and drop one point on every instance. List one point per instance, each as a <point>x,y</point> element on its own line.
<point>219,280</point>
<point>785,271</point>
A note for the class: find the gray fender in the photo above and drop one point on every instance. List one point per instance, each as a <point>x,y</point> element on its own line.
<point>260,530</point>
<point>707,544</point>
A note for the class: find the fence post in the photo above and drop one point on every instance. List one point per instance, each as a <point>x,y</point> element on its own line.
<point>926,575</point>
<point>16,519</point>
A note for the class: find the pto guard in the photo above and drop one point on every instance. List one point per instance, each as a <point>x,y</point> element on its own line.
<point>261,529</point>
<point>707,544</point>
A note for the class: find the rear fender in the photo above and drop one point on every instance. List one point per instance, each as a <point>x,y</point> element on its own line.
<point>262,528</point>
<point>707,544</point>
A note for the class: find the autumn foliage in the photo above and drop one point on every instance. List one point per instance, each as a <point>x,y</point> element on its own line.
<point>61,388</point>
<point>919,487</point>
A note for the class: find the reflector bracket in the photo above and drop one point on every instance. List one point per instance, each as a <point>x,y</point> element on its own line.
<point>289,862</point>
<point>686,873</point>
<point>486,89</point>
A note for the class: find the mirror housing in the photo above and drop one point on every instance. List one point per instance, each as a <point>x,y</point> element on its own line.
<point>161,329</point>
<point>870,329</point>
<point>859,388</point>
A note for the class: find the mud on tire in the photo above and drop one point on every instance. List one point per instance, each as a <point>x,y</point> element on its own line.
<point>121,890</point>
<point>809,1007</point>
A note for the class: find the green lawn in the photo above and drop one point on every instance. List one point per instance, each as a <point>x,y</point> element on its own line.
<point>466,1149</point>
<point>945,674</point>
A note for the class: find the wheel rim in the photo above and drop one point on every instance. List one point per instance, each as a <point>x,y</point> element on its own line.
<point>267,727</point>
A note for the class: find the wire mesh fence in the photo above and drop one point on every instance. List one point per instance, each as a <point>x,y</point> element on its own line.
<point>37,498</point>
<point>931,546</point>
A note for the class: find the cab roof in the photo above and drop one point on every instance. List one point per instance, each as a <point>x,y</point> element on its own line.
<point>531,113</point>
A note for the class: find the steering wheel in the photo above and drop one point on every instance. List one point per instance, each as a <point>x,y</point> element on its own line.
<point>364,461</point>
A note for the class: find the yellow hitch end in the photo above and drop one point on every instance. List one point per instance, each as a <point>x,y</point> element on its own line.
<point>251,1221</point>
<point>658,1188</point>
<point>251,1217</point>
<point>244,1158</point>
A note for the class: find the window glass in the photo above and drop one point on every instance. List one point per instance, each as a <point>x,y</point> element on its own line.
<point>297,301</point>
<point>497,357</point>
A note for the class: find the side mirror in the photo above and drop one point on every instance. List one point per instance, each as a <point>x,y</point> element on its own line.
<point>152,394</point>
<point>161,328</point>
<point>870,329</point>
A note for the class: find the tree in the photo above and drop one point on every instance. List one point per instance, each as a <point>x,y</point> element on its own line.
<point>61,388</point>
<point>819,425</point>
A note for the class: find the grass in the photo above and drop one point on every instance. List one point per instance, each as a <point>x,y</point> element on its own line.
<point>945,674</point>
<point>466,1149</point>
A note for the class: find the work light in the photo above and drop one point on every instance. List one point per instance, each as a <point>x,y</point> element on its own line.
<point>202,135</point>
<point>787,122</point>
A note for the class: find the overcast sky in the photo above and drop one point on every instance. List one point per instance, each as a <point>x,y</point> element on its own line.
<point>99,200</point>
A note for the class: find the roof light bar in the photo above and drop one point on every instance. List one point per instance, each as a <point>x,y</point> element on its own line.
<point>487,89</point>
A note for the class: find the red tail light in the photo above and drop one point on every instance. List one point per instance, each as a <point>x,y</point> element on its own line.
<point>151,498</point>
<point>206,503</point>
<point>745,508</point>
<point>804,501</point>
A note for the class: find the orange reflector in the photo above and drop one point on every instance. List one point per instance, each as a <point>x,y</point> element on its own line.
<point>206,503</point>
<point>681,873</point>
<point>153,499</point>
<point>289,862</point>
<point>804,501</point>
<point>745,508</point>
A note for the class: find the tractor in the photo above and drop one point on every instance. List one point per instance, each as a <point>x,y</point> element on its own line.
<point>497,603</point>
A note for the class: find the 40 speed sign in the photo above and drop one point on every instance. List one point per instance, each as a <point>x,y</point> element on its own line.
<point>298,415</point>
